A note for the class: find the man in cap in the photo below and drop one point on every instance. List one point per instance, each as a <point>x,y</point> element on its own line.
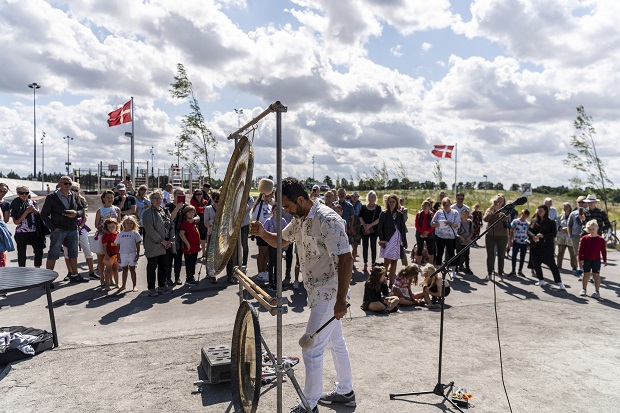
<point>206,193</point>
<point>596,213</point>
<point>576,220</point>
<point>126,202</point>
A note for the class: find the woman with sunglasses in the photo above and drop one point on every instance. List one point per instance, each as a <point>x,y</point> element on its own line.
<point>24,212</point>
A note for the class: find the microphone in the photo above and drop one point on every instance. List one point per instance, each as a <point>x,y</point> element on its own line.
<point>519,201</point>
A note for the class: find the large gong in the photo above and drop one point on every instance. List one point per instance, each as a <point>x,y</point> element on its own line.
<point>246,360</point>
<point>233,201</point>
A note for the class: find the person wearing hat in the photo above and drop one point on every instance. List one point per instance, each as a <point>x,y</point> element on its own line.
<point>316,192</point>
<point>576,220</point>
<point>126,202</point>
<point>596,213</point>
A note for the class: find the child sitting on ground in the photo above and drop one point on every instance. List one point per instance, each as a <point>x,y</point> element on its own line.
<point>376,292</point>
<point>110,259</point>
<point>129,249</point>
<point>402,284</point>
<point>591,248</point>
<point>431,287</point>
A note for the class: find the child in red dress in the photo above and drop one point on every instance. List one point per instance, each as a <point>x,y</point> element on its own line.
<point>110,259</point>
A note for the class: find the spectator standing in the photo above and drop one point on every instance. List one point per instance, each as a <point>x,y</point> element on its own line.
<point>210,212</point>
<point>126,202</point>
<point>176,215</point>
<point>206,193</point>
<point>167,194</point>
<point>5,206</point>
<point>459,205</point>
<point>199,205</point>
<point>446,222</point>
<point>576,219</point>
<point>425,233</point>
<point>356,233</point>
<point>392,236</point>
<point>437,204</point>
<point>83,239</point>
<point>129,241</point>
<point>543,232</point>
<point>190,237</point>
<point>476,219</point>
<point>60,213</point>
<point>159,237</point>
<point>519,241</point>
<point>24,212</point>
<point>496,239</point>
<point>591,249</point>
<point>142,203</point>
<point>464,237</point>
<point>262,212</point>
<point>563,238</point>
<point>596,213</point>
<point>369,219</point>
<point>107,210</point>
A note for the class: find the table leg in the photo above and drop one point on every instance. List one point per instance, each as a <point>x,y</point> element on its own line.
<point>50,308</point>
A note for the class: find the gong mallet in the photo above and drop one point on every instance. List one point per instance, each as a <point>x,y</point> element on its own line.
<point>308,339</point>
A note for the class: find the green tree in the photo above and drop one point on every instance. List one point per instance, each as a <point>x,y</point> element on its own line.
<point>195,136</point>
<point>586,160</point>
<point>328,181</point>
<point>515,187</point>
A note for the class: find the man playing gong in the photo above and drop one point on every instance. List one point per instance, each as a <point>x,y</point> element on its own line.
<point>327,264</point>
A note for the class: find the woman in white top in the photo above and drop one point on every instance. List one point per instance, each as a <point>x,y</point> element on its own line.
<point>446,222</point>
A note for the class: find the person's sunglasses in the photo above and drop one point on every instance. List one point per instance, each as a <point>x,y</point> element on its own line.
<point>75,190</point>
<point>22,193</point>
<point>66,183</point>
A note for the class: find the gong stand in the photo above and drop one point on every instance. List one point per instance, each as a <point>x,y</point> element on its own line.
<point>275,305</point>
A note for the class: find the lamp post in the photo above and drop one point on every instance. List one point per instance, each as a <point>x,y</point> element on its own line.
<point>486,181</point>
<point>42,160</point>
<point>34,88</point>
<point>69,139</point>
<point>152,165</point>
<point>312,168</point>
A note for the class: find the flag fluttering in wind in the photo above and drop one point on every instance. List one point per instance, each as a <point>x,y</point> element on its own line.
<point>443,151</point>
<point>121,115</point>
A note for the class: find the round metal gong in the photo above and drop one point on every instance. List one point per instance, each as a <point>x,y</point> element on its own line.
<point>246,360</point>
<point>233,201</point>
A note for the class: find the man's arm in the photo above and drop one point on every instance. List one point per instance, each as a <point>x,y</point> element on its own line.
<point>345,270</point>
<point>46,211</point>
<point>257,229</point>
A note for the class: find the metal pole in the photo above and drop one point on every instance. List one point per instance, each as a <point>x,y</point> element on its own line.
<point>152,163</point>
<point>279,109</point>
<point>270,109</point>
<point>133,167</point>
<point>69,139</point>
<point>42,160</point>
<point>34,88</point>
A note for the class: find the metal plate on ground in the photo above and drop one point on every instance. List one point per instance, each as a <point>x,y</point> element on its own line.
<point>233,201</point>
<point>246,360</point>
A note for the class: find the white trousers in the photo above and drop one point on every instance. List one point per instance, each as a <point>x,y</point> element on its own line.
<point>330,337</point>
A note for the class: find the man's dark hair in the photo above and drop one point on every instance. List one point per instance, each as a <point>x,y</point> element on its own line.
<point>292,188</point>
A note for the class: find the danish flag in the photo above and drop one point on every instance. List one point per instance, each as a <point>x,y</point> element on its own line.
<point>443,151</point>
<point>121,115</point>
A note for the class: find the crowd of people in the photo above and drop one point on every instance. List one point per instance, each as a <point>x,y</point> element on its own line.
<point>174,233</point>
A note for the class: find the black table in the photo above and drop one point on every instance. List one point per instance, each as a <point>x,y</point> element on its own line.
<point>23,278</point>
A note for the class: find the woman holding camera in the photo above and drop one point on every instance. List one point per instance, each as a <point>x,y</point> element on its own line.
<point>497,238</point>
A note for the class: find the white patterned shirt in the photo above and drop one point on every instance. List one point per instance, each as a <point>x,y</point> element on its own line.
<point>321,237</point>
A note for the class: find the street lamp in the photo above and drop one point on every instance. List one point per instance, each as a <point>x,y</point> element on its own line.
<point>486,181</point>
<point>42,160</point>
<point>34,88</point>
<point>68,163</point>
<point>152,165</point>
<point>312,168</point>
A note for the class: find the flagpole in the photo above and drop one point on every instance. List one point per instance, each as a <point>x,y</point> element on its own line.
<point>455,180</point>
<point>131,175</point>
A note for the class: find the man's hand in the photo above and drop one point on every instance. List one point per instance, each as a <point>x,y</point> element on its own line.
<point>256,228</point>
<point>340,309</point>
<point>70,213</point>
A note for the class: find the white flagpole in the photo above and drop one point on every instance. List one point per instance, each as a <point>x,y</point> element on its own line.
<point>133,168</point>
<point>455,180</point>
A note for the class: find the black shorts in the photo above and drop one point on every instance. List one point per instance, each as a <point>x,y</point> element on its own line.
<point>261,242</point>
<point>593,266</point>
<point>430,245</point>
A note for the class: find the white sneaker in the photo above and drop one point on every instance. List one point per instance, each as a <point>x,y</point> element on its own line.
<point>541,283</point>
<point>583,293</point>
<point>595,294</point>
<point>561,286</point>
<point>296,284</point>
<point>454,275</point>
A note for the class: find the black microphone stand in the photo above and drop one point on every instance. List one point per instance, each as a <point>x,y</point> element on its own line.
<point>441,389</point>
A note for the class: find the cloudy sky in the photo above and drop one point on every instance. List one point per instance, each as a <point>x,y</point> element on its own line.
<point>364,81</point>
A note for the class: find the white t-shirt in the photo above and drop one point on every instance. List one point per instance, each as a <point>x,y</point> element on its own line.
<point>126,241</point>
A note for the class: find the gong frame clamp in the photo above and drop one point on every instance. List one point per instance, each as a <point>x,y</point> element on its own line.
<point>271,304</point>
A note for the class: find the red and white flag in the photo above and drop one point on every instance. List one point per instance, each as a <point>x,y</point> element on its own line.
<point>443,151</point>
<point>121,115</point>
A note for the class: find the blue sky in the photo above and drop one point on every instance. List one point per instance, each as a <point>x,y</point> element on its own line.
<point>366,81</point>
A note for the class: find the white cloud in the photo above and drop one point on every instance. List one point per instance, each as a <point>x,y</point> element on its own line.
<point>426,46</point>
<point>396,50</point>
